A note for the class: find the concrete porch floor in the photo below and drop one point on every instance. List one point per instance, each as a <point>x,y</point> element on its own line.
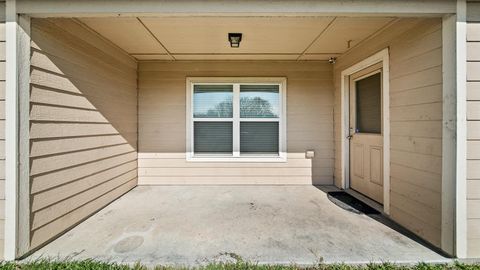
<point>188,225</point>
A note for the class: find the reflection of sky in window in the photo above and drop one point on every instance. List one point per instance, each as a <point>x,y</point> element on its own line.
<point>206,104</point>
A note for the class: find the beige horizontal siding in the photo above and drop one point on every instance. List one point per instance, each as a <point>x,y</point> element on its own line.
<point>473,129</point>
<point>2,127</point>
<point>83,126</point>
<point>415,47</point>
<point>162,128</point>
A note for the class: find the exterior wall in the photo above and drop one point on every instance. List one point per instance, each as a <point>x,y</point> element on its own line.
<point>415,121</point>
<point>2,126</point>
<point>83,127</point>
<point>473,129</point>
<point>162,127</point>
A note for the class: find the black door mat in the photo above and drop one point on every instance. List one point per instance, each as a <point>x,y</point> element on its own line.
<point>350,203</point>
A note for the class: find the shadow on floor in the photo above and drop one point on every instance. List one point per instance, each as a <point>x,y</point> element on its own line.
<point>349,203</point>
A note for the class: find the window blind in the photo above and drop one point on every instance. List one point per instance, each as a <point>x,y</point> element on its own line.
<point>213,137</point>
<point>259,137</point>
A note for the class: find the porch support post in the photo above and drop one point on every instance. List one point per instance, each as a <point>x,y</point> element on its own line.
<point>454,133</point>
<point>23,71</point>
<point>11,132</point>
<point>17,92</point>
<point>461,131</point>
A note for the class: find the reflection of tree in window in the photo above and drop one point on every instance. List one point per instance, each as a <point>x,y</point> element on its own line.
<point>256,106</point>
<point>221,110</point>
<point>250,107</point>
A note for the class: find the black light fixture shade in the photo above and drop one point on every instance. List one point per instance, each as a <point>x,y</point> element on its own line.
<point>234,39</point>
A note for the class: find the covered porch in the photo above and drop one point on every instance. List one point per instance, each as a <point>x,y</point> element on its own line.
<point>125,159</point>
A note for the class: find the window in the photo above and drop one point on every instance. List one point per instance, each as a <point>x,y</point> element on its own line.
<point>236,119</point>
<point>368,104</point>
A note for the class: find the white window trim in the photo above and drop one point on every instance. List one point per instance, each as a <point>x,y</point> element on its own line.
<point>236,157</point>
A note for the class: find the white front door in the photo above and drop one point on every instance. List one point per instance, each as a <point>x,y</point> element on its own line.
<point>366,138</point>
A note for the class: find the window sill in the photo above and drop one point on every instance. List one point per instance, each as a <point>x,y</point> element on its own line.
<point>259,159</point>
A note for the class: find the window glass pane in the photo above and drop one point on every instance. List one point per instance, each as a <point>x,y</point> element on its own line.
<point>212,101</point>
<point>212,137</point>
<point>368,104</point>
<point>259,101</point>
<point>259,137</point>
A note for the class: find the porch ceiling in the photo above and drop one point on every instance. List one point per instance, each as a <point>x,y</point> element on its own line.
<point>264,38</point>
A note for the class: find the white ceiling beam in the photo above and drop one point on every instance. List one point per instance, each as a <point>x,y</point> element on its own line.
<point>316,38</point>
<point>156,39</point>
<point>85,8</point>
<point>376,33</point>
<point>88,28</point>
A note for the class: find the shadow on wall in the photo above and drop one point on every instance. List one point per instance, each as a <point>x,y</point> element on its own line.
<point>83,126</point>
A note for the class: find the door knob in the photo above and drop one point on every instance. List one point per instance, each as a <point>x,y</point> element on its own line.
<point>349,137</point>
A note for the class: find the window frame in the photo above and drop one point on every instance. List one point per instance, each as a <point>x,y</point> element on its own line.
<point>236,82</point>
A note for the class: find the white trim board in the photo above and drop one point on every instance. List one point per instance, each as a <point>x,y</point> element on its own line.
<point>448,133</point>
<point>455,84</point>
<point>91,8</point>
<point>11,132</point>
<point>17,108</point>
<point>454,130</point>
<point>380,57</point>
<point>23,70</point>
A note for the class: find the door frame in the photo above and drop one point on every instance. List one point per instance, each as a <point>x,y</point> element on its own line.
<point>380,57</point>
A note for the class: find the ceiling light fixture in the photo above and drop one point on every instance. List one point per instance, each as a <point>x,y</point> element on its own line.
<point>234,39</point>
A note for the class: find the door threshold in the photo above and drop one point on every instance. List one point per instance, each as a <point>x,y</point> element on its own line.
<point>375,205</point>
